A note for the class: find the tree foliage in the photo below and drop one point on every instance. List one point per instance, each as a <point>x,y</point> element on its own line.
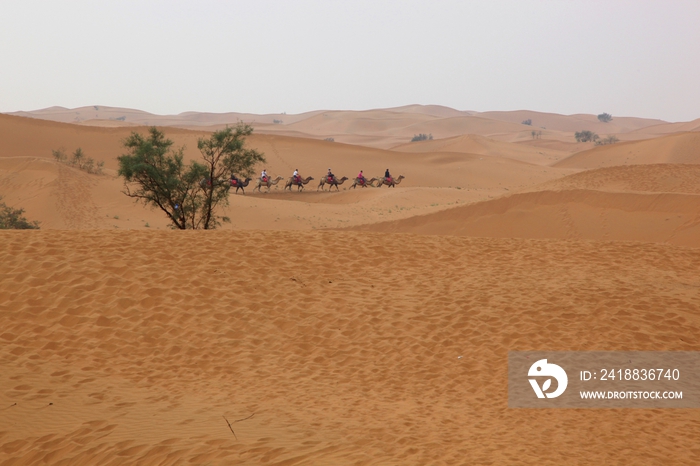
<point>586,136</point>
<point>12,219</point>
<point>155,173</point>
<point>605,117</point>
<point>421,137</point>
<point>78,158</point>
<point>606,141</point>
<point>224,154</point>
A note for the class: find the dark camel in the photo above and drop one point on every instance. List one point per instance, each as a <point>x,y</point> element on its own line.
<point>299,184</point>
<point>335,182</point>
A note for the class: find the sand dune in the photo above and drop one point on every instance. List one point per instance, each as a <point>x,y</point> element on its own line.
<point>474,144</point>
<point>675,148</point>
<point>649,203</point>
<point>131,347</point>
<point>371,121</point>
<point>568,146</point>
<point>139,117</point>
<point>658,178</point>
<point>574,214</point>
<point>433,110</point>
<point>666,128</point>
<point>29,137</point>
<point>573,123</point>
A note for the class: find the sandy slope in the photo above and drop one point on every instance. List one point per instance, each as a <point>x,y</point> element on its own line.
<point>673,148</point>
<point>573,123</point>
<point>650,178</point>
<point>474,144</point>
<point>651,203</point>
<point>665,128</point>
<point>574,214</point>
<point>131,347</point>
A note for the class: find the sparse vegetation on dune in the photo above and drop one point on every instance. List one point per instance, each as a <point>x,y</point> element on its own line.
<point>13,219</point>
<point>605,141</point>
<point>79,160</point>
<point>586,136</point>
<point>422,137</point>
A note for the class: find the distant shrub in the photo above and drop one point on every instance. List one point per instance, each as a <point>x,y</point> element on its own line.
<point>527,122</point>
<point>59,155</point>
<point>12,219</point>
<point>79,160</point>
<point>277,122</point>
<point>586,136</point>
<point>605,117</point>
<point>78,157</point>
<point>330,139</point>
<point>421,137</point>
<point>89,165</point>
<point>605,141</point>
<point>121,118</point>
<point>536,134</point>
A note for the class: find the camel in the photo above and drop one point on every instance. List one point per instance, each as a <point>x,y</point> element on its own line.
<point>268,183</point>
<point>363,184</point>
<point>335,182</point>
<point>299,184</point>
<point>241,184</point>
<point>391,183</point>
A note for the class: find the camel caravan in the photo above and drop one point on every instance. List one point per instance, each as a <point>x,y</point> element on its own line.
<point>329,179</point>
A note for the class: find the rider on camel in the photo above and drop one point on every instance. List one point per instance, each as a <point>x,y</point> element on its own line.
<point>234,181</point>
<point>331,176</point>
<point>296,176</point>
<point>263,176</point>
<point>361,177</point>
<point>387,175</point>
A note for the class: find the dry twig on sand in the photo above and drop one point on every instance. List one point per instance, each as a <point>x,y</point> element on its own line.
<point>245,418</point>
<point>238,420</point>
<point>229,426</point>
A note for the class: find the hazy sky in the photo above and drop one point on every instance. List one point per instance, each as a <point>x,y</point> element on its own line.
<point>628,58</point>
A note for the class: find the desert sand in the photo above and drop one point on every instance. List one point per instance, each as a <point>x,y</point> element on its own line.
<point>367,326</point>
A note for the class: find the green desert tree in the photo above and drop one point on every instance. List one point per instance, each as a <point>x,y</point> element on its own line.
<point>156,174</point>
<point>605,117</point>
<point>12,219</point>
<point>224,153</point>
<point>585,136</point>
